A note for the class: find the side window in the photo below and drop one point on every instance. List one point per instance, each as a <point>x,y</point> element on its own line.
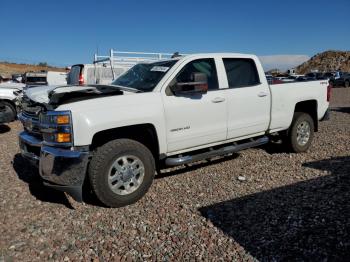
<point>206,66</point>
<point>241,72</point>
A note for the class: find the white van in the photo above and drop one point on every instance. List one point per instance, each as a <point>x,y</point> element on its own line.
<point>90,74</point>
<point>105,69</point>
<point>45,78</point>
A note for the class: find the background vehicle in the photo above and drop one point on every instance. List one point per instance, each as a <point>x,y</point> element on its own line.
<point>9,93</point>
<point>343,80</point>
<point>45,78</point>
<point>328,75</point>
<point>273,80</point>
<point>314,76</point>
<point>105,69</point>
<point>289,79</point>
<point>165,113</point>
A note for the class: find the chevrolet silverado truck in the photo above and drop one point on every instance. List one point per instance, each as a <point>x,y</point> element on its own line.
<point>159,114</point>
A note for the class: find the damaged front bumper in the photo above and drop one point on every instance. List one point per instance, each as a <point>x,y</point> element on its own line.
<point>61,169</point>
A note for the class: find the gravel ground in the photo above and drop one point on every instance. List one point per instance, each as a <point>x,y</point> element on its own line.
<point>260,204</point>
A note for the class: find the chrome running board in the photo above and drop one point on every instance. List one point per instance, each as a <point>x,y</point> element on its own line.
<point>175,161</point>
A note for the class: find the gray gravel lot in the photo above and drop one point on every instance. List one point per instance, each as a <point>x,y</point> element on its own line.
<point>283,207</point>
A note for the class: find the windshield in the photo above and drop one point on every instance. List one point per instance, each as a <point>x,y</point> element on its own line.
<point>144,77</point>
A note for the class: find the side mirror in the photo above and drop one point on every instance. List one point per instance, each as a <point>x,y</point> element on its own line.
<point>199,85</point>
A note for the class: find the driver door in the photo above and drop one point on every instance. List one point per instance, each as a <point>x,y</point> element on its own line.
<point>197,119</point>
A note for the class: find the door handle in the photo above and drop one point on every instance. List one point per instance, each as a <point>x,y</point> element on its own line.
<point>218,100</point>
<point>262,94</point>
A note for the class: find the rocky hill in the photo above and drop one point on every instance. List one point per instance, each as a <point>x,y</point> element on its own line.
<point>7,69</point>
<point>327,61</point>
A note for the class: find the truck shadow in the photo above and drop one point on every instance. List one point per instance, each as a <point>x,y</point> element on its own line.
<point>341,109</point>
<point>309,220</point>
<point>30,175</point>
<point>274,148</point>
<point>4,129</point>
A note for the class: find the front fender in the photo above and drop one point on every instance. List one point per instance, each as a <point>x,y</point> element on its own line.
<point>93,116</point>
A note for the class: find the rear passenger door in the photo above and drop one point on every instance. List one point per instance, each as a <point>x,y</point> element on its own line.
<point>248,98</point>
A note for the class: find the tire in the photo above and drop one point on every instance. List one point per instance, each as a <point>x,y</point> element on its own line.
<point>121,162</point>
<point>298,138</point>
<point>11,109</point>
<point>347,83</point>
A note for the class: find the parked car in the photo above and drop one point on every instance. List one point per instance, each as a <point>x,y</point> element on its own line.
<point>45,78</point>
<point>343,80</point>
<point>328,75</point>
<point>5,114</point>
<point>289,79</point>
<point>301,78</point>
<point>9,95</point>
<point>273,80</point>
<point>165,113</point>
<point>314,76</point>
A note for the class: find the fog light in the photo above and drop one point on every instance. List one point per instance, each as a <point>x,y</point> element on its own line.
<point>63,138</point>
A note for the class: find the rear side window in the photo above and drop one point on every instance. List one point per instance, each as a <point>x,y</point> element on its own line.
<point>241,72</point>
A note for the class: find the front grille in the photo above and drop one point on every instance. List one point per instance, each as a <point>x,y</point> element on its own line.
<point>33,116</point>
<point>30,116</point>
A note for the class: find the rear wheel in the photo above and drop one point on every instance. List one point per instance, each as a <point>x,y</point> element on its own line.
<point>300,133</point>
<point>121,172</point>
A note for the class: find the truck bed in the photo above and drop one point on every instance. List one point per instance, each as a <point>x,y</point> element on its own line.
<point>285,96</point>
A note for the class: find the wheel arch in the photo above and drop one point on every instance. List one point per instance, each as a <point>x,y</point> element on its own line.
<point>145,134</point>
<point>308,107</point>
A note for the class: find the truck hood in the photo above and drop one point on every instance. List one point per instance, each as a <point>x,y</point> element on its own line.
<point>11,85</point>
<point>9,93</point>
<point>57,95</point>
<point>39,94</point>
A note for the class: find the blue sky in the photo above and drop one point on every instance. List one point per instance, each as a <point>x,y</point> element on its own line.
<point>67,32</point>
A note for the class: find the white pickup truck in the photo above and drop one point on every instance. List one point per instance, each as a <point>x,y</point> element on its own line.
<point>165,113</point>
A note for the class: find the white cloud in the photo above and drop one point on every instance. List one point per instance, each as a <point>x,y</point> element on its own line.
<point>282,62</point>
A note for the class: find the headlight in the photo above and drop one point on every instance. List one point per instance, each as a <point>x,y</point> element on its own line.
<point>56,127</point>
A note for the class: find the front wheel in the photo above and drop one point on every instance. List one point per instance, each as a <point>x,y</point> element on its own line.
<point>300,133</point>
<point>121,172</point>
<point>10,110</point>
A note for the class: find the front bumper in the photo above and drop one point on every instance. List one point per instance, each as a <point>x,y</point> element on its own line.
<point>61,169</point>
